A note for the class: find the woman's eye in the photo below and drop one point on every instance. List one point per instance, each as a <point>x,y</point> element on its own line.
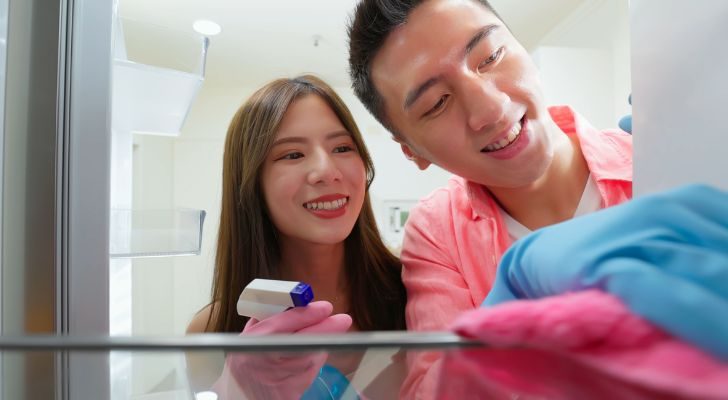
<point>440,103</point>
<point>292,156</point>
<point>493,57</point>
<point>343,149</point>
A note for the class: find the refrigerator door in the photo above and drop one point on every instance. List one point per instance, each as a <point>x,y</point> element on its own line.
<point>680,89</point>
<point>55,189</point>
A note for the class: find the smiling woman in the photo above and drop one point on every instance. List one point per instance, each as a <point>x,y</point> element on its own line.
<point>295,207</point>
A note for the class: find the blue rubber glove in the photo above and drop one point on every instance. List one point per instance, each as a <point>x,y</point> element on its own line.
<point>664,255</point>
<point>625,123</point>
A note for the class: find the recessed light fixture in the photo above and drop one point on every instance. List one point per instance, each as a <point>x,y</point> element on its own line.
<point>206,396</point>
<point>206,27</point>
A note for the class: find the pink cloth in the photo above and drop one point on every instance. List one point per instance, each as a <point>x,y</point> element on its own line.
<point>577,345</point>
<point>455,237</point>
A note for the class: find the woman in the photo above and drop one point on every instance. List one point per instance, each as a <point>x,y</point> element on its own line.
<point>295,207</point>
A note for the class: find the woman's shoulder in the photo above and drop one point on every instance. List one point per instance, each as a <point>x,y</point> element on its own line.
<point>200,321</point>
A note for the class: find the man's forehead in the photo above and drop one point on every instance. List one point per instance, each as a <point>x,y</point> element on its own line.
<point>413,52</point>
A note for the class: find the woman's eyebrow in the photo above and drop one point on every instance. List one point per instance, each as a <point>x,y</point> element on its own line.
<point>303,139</point>
<point>290,139</point>
<point>337,134</point>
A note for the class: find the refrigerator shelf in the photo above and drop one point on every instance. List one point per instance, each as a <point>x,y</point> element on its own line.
<point>155,233</point>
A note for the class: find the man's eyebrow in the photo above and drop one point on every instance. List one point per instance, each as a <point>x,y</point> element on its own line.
<point>479,36</point>
<point>415,94</point>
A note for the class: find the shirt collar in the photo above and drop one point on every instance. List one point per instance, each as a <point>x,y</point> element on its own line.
<point>594,145</point>
<point>608,154</point>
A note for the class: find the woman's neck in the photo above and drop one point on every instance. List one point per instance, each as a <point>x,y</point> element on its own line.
<point>556,194</point>
<point>319,265</point>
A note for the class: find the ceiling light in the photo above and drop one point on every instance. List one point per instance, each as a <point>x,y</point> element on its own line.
<point>206,27</point>
<point>206,396</point>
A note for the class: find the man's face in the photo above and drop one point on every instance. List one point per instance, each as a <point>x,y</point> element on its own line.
<point>464,94</point>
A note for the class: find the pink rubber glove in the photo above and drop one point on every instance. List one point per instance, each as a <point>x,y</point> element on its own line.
<point>279,375</point>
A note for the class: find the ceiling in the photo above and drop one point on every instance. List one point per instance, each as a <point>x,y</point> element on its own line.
<point>266,39</point>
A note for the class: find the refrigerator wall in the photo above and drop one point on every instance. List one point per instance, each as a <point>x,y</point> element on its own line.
<point>680,93</point>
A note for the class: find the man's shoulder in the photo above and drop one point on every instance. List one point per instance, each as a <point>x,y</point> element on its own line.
<point>620,138</point>
<point>445,205</point>
<point>614,146</point>
<point>454,193</point>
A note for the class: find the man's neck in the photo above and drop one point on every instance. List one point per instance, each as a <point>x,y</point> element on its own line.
<point>555,196</point>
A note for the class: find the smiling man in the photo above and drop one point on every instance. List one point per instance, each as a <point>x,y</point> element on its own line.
<point>456,89</point>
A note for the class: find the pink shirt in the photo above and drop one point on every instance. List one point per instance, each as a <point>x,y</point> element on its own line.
<point>455,238</point>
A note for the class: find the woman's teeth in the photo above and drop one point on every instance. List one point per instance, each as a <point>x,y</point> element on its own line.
<point>510,138</point>
<point>326,205</point>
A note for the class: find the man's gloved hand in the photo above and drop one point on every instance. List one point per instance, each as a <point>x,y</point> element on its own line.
<point>276,375</point>
<point>664,255</point>
<point>625,123</point>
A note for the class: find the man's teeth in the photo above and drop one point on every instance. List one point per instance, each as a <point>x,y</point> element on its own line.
<point>510,138</point>
<point>326,205</point>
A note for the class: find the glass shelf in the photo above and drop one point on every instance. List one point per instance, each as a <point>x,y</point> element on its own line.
<point>369,365</point>
<point>155,233</point>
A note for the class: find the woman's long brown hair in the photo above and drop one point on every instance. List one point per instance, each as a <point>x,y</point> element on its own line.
<point>247,247</point>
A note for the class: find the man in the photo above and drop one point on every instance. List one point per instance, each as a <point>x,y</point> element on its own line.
<point>456,89</point>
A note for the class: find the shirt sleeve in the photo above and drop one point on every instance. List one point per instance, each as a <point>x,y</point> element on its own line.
<point>436,291</point>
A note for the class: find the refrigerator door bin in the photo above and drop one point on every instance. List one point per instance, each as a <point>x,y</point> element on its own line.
<point>155,233</point>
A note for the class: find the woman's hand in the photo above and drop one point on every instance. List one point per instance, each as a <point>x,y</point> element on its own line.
<point>278,375</point>
<point>314,318</point>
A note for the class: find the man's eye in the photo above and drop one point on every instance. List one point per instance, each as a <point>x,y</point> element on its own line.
<point>292,156</point>
<point>493,58</point>
<point>440,103</point>
<point>343,149</point>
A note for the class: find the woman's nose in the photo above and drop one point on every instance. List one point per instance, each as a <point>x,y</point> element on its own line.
<point>323,169</point>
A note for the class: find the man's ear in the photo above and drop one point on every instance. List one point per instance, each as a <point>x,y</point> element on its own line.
<point>421,163</point>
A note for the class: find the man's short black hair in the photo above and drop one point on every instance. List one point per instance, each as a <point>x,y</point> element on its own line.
<point>371,24</point>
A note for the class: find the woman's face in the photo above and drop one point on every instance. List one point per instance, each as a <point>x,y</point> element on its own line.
<point>313,180</point>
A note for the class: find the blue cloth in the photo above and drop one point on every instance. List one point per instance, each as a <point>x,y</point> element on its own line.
<point>664,255</point>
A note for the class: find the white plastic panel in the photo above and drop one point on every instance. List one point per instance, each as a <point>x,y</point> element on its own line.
<point>680,93</point>
<point>153,100</point>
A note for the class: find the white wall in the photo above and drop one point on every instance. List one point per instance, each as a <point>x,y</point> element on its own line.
<point>585,62</point>
<point>580,77</point>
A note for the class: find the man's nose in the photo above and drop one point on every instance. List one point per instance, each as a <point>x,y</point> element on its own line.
<point>485,103</point>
